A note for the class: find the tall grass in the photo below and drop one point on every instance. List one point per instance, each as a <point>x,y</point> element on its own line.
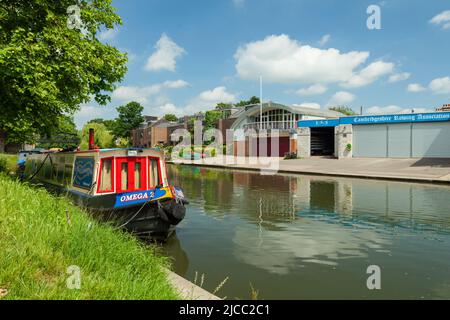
<point>38,244</point>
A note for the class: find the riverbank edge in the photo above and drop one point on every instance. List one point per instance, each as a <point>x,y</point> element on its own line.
<point>187,289</point>
<point>318,173</point>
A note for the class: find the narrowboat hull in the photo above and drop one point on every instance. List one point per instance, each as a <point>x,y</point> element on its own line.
<point>128,188</point>
<point>147,214</point>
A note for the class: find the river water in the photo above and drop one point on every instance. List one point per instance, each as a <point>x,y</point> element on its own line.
<point>306,237</point>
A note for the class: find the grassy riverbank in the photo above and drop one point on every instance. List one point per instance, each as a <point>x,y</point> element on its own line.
<point>38,243</point>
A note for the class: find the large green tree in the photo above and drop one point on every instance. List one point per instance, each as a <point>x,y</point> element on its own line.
<point>130,117</point>
<point>50,64</point>
<point>65,135</point>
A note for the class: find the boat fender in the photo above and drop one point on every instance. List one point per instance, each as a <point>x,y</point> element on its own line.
<point>175,211</point>
<point>161,213</point>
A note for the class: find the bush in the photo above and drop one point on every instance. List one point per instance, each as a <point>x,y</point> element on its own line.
<point>3,164</point>
<point>290,155</point>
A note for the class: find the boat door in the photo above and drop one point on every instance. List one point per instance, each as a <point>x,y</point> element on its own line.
<point>131,174</point>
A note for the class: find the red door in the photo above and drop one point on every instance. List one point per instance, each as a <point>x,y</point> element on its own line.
<point>264,147</point>
<point>131,174</point>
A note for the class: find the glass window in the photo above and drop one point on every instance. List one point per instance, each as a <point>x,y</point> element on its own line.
<point>106,175</point>
<point>124,175</point>
<point>137,175</point>
<point>154,173</point>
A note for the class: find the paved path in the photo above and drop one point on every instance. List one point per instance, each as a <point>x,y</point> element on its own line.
<point>419,170</point>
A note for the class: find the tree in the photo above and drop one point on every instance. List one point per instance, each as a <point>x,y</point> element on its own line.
<point>103,138</point>
<point>48,68</point>
<point>343,109</point>
<point>130,117</point>
<point>170,117</point>
<point>109,124</point>
<point>65,135</point>
<point>252,100</point>
<point>211,118</point>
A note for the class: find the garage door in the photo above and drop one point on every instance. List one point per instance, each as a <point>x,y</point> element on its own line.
<point>264,147</point>
<point>431,140</point>
<point>399,140</point>
<point>370,141</point>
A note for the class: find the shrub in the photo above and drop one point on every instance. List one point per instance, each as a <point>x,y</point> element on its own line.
<point>3,164</point>
<point>349,147</point>
<point>290,155</point>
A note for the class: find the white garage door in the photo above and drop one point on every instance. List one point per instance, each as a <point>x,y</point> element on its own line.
<point>370,141</point>
<point>431,140</point>
<point>399,140</point>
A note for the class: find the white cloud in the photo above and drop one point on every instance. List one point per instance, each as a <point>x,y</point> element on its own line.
<point>204,101</point>
<point>399,77</point>
<point>175,84</point>
<point>165,56</point>
<point>324,40</point>
<point>311,105</point>
<point>312,90</point>
<point>415,87</point>
<point>369,74</point>
<point>392,109</point>
<point>442,19</point>
<point>277,58</point>
<point>341,98</point>
<point>440,85</point>
<point>108,34</point>
<point>208,100</point>
<point>281,59</point>
<point>89,112</point>
<point>142,94</point>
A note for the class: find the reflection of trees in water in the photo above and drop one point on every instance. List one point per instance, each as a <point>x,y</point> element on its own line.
<point>268,200</point>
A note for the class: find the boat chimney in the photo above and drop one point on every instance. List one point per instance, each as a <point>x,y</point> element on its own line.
<point>91,139</point>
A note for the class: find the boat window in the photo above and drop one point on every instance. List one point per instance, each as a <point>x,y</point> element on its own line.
<point>106,175</point>
<point>83,172</point>
<point>137,175</point>
<point>124,175</point>
<point>154,172</point>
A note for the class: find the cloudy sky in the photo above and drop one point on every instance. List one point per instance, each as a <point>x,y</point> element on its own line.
<point>185,56</point>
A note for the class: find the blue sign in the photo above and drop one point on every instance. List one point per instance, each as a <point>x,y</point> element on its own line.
<point>130,198</point>
<point>378,119</point>
<point>318,123</point>
<point>397,118</point>
<point>83,172</point>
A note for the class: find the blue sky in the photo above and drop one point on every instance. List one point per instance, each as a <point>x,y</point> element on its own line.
<point>185,56</point>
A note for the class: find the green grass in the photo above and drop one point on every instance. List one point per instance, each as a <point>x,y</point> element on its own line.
<point>8,162</point>
<point>37,245</point>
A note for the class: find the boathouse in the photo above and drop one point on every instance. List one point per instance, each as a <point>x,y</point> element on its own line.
<point>271,130</point>
<point>413,135</point>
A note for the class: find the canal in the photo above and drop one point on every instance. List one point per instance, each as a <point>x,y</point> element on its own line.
<point>306,237</point>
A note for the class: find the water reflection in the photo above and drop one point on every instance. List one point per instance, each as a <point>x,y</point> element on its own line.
<point>278,229</point>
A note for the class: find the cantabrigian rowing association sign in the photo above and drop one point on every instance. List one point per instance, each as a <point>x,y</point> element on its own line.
<point>379,119</point>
